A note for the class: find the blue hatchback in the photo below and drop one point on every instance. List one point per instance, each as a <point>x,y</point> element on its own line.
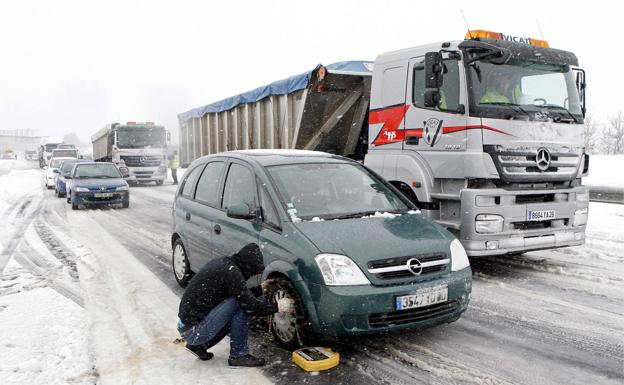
<point>97,183</point>
<point>60,185</point>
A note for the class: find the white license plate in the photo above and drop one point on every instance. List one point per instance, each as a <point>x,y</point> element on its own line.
<point>423,297</point>
<point>103,195</point>
<point>540,215</point>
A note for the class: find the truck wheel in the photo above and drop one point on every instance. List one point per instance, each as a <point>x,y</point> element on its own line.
<point>180,263</point>
<point>288,329</point>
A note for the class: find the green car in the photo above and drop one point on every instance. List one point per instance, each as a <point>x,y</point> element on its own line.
<point>354,253</point>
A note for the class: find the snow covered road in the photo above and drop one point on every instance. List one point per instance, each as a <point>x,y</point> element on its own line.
<point>88,296</point>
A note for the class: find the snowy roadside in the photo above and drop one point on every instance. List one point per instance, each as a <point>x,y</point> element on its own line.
<point>76,307</point>
<point>605,171</point>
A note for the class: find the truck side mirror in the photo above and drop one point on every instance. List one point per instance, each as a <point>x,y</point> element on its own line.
<point>433,70</point>
<point>432,98</point>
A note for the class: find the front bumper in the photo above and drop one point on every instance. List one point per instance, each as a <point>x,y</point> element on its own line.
<point>520,235</point>
<point>352,310</point>
<point>89,198</point>
<point>146,174</point>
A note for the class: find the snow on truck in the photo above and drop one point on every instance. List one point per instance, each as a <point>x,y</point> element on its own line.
<point>485,134</point>
<point>142,147</point>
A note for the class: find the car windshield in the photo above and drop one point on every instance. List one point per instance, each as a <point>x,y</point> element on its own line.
<point>524,89</point>
<point>56,163</point>
<point>85,171</point>
<point>332,191</point>
<point>141,137</point>
<point>67,166</point>
<point>49,147</point>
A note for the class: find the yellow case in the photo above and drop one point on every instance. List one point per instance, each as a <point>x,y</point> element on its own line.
<point>309,364</point>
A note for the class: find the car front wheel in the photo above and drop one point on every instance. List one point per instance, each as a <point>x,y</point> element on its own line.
<point>180,264</point>
<point>288,329</point>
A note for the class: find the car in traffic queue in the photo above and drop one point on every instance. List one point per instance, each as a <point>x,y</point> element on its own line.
<point>97,184</point>
<point>354,254</point>
<point>51,170</point>
<point>60,182</point>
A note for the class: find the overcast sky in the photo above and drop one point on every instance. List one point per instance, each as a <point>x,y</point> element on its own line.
<point>73,66</point>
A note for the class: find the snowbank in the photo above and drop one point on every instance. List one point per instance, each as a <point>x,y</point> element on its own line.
<point>605,171</point>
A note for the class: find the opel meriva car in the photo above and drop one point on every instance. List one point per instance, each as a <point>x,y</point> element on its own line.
<point>353,252</point>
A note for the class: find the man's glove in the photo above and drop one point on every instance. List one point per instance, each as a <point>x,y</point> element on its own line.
<point>285,305</point>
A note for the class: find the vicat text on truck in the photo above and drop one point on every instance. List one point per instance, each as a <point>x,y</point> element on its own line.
<point>141,147</point>
<point>484,134</point>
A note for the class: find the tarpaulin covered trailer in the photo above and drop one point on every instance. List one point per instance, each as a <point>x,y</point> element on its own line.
<point>324,109</point>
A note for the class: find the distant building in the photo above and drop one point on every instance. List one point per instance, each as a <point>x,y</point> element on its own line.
<point>19,140</point>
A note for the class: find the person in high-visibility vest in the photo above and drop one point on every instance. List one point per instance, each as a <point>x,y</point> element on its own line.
<point>174,164</point>
<point>496,91</point>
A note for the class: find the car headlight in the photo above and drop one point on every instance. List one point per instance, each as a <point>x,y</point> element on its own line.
<point>459,258</point>
<point>81,189</point>
<point>122,188</point>
<point>340,270</point>
<point>489,223</point>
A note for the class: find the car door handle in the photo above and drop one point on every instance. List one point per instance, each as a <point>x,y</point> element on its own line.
<point>188,216</point>
<point>217,229</point>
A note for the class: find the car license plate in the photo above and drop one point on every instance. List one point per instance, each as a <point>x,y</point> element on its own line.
<point>103,195</point>
<point>423,297</point>
<point>540,215</point>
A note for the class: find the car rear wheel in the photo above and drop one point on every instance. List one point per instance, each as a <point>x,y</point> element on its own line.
<point>289,330</point>
<point>180,264</point>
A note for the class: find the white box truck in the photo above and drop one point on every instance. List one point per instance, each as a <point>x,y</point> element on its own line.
<point>142,147</point>
<point>485,134</point>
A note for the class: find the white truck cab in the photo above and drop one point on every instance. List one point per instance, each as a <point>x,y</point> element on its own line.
<point>486,134</point>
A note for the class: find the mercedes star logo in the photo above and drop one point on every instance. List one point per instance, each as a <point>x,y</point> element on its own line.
<point>102,188</point>
<point>542,159</point>
<point>413,265</point>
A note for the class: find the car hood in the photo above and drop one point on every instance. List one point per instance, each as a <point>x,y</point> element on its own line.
<point>96,183</point>
<point>374,238</point>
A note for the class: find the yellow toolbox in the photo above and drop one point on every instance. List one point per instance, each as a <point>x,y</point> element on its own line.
<point>315,359</point>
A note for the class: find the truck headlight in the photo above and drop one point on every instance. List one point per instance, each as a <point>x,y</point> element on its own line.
<point>162,169</point>
<point>489,223</point>
<point>459,258</point>
<point>580,217</point>
<point>122,188</point>
<point>81,189</point>
<point>340,270</point>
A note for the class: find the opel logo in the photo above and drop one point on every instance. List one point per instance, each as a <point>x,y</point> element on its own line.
<point>542,159</point>
<point>414,266</point>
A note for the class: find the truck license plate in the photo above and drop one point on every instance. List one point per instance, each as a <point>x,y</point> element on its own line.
<point>103,195</point>
<point>423,297</point>
<point>540,215</point>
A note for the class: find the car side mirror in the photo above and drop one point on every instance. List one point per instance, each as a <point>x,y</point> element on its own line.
<point>56,171</point>
<point>124,172</point>
<point>240,211</point>
<point>68,177</point>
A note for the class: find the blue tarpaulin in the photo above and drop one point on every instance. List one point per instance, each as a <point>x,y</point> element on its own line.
<point>280,87</point>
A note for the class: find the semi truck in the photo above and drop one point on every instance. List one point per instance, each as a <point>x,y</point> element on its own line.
<point>141,147</point>
<point>484,134</point>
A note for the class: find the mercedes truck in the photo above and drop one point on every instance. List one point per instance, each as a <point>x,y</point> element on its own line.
<point>141,147</point>
<point>484,134</point>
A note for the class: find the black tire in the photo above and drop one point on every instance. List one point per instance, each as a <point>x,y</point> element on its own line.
<point>183,274</point>
<point>74,206</point>
<point>126,203</point>
<point>299,326</point>
<point>159,182</point>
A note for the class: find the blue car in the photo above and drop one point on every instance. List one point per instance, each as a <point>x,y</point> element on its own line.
<point>60,189</point>
<point>96,184</point>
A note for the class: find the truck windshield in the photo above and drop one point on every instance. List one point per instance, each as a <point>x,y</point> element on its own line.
<point>85,171</point>
<point>50,146</point>
<point>523,89</point>
<point>332,191</point>
<point>140,137</point>
<point>65,153</point>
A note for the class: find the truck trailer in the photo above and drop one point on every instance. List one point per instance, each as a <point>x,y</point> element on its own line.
<point>142,147</point>
<point>484,134</point>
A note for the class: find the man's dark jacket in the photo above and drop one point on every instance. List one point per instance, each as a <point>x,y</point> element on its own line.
<point>220,279</point>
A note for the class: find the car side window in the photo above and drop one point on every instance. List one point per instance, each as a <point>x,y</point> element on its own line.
<point>449,92</point>
<point>269,213</point>
<point>208,186</point>
<point>239,187</point>
<point>189,182</point>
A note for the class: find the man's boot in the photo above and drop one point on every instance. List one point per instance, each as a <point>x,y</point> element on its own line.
<point>246,361</point>
<point>200,352</point>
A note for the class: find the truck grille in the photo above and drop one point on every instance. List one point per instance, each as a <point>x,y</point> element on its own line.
<point>379,320</point>
<point>393,268</point>
<point>522,165</point>
<point>141,161</point>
